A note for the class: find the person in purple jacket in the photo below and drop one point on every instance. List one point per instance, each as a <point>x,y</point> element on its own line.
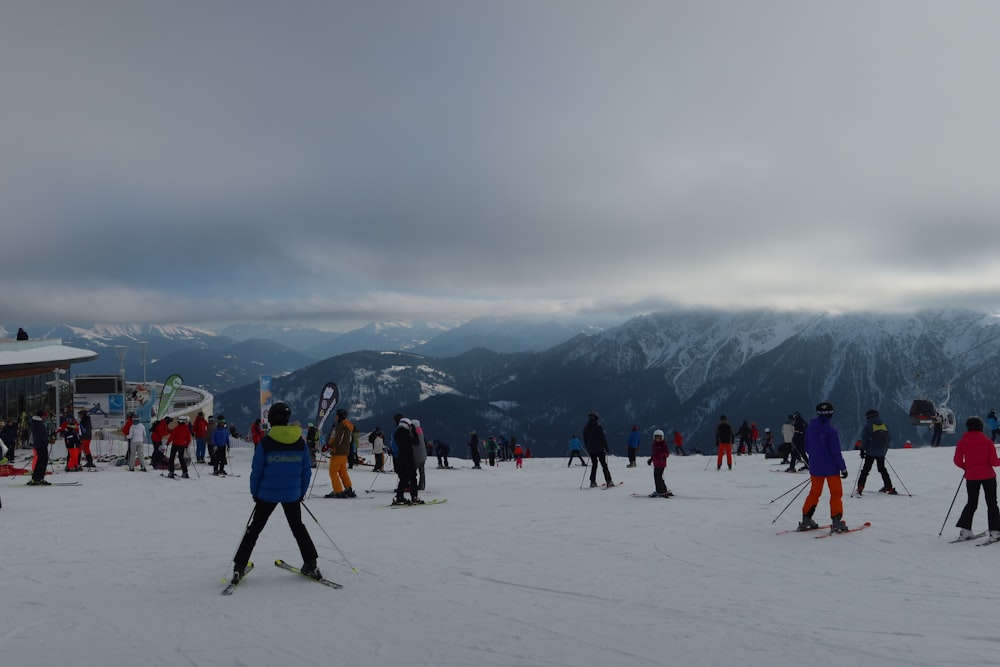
<point>826,466</point>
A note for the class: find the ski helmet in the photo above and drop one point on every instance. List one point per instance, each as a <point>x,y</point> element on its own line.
<point>279,414</point>
<point>657,432</point>
<point>872,412</point>
<point>824,409</point>
<point>342,413</point>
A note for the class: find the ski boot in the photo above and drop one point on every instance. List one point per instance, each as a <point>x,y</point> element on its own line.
<point>593,484</point>
<point>965,534</point>
<point>837,525</point>
<point>807,522</point>
<point>310,570</point>
<point>400,501</point>
<point>184,476</point>
<point>416,501</point>
<point>238,573</point>
<point>860,490</point>
<point>890,491</point>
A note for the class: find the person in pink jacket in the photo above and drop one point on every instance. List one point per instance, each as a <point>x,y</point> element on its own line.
<point>976,454</point>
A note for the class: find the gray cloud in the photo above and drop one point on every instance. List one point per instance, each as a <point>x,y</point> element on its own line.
<point>190,161</point>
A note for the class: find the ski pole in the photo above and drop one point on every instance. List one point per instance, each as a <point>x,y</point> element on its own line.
<point>708,464</point>
<point>322,459</point>
<point>952,504</point>
<point>898,477</point>
<point>858,476</point>
<point>323,530</point>
<point>791,489</point>
<point>791,501</point>
<point>372,485</point>
<point>247,527</point>
<point>585,471</point>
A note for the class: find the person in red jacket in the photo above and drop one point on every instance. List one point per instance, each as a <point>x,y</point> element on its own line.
<point>179,437</point>
<point>256,432</point>
<point>976,454</point>
<point>200,436</point>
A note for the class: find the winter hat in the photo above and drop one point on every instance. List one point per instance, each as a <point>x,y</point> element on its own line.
<point>974,424</point>
<point>824,409</point>
<point>872,412</point>
<point>657,432</point>
<point>722,418</point>
<point>592,415</point>
<point>403,421</point>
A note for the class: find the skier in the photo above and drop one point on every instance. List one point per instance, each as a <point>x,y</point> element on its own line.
<point>406,468</point>
<point>86,434</point>
<point>937,430</point>
<point>312,440</point>
<point>787,435</point>
<point>632,445</point>
<point>977,456</point>
<point>40,443</point>
<point>200,436</point>
<point>826,466</point>
<point>441,450</point>
<point>875,440</point>
<point>798,443</point>
<point>378,449</point>
<point>419,454</point>
<point>179,438</point>
<point>518,455</point>
<point>724,442</point>
<point>768,441</point>
<point>70,431</point>
<point>491,450</point>
<point>279,473</point>
<point>597,447</point>
<point>660,453</point>
<point>744,433</point>
<point>340,448</point>
<point>474,450</point>
<point>679,444</point>
<point>993,424</point>
<point>575,449</point>
<point>220,447</point>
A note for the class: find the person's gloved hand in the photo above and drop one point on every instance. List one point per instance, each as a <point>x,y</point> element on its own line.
<point>649,462</point>
<point>843,474</point>
<point>861,453</point>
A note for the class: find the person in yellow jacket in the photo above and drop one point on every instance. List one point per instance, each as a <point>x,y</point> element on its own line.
<point>339,446</point>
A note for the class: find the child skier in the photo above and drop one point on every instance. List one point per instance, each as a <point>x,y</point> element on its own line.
<point>659,462</point>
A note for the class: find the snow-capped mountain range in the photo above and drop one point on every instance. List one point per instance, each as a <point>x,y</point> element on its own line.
<point>672,371</point>
<point>666,370</point>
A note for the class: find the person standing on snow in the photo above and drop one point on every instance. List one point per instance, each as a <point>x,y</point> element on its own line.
<point>724,442</point>
<point>474,450</point>
<point>378,449</point>
<point>632,445</point>
<point>875,440</point>
<point>200,436</point>
<point>340,448</point>
<point>86,435</point>
<point>220,447</point>
<point>597,447</point>
<point>787,437</point>
<point>179,438</point>
<point>136,438</point>
<point>40,443</point>
<point>977,456</point>
<point>279,474</point>
<point>993,425</point>
<point>406,467</point>
<point>661,451</point>
<point>419,454</point>
<point>575,449</point>
<point>798,443</point>
<point>826,466</point>
<point>679,444</point>
<point>744,433</point>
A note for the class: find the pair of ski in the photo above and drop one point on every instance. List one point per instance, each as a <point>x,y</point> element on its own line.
<point>604,487</point>
<point>989,541</point>
<point>668,494</point>
<point>230,587</point>
<point>436,501</point>
<point>866,524</point>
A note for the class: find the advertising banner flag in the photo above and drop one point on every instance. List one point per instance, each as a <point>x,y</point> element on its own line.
<point>266,397</point>
<point>170,387</point>
<point>328,399</point>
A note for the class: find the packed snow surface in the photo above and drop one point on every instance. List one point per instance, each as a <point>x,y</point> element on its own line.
<point>519,567</point>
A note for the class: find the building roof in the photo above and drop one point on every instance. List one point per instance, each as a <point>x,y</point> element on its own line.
<point>40,354</point>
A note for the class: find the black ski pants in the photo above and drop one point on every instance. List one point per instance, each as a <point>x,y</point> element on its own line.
<point>866,468</point>
<point>602,459</point>
<point>261,513</point>
<point>972,487</point>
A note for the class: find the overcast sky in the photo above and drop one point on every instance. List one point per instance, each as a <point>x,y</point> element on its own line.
<point>332,163</point>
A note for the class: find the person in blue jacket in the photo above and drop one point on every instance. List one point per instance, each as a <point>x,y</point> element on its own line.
<point>826,466</point>
<point>632,445</point>
<point>279,474</point>
<point>575,449</point>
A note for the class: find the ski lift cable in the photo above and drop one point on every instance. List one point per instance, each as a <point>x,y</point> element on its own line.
<point>918,374</point>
